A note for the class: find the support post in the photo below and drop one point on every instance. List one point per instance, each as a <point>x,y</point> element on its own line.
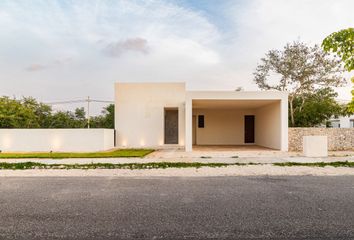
<point>284,124</point>
<point>188,135</point>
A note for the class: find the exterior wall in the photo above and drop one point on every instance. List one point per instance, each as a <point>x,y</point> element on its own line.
<point>341,139</point>
<point>222,127</point>
<point>139,112</point>
<point>62,140</point>
<point>268,126</point>
<point>343,122</point>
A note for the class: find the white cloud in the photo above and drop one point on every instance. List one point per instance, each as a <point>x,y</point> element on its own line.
<point>116,49</point>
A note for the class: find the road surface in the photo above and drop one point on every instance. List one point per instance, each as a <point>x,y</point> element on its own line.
<point>301,207</point>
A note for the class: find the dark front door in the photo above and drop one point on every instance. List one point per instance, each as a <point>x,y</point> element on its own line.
<point>171,126</point>
<point>249,129</point>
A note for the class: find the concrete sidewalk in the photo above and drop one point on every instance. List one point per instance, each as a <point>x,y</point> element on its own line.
<point>248,170</point>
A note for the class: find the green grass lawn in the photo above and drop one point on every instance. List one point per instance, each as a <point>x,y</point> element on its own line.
<point>57,155</point>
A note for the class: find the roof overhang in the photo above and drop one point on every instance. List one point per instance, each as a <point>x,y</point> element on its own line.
<point>236,95</point>
<point>231,104</point>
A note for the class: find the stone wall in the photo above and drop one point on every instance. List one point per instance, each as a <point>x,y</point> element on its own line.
<point>339,139</point>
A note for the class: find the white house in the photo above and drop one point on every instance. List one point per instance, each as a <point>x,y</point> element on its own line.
<point>342,122</point>
<point>166,114</point>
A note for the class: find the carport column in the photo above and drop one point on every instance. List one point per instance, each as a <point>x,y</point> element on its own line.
<point>284,123</point>
<point>188,124</point>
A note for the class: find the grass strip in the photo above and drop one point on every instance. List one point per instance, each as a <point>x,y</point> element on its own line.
<point>120,153</point>
<point>157,165</point>
<point>316,164</point>
<point>132,166</point>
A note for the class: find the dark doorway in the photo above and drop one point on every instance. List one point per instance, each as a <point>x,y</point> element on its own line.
<point>171,126</point>
<point>249,129</point>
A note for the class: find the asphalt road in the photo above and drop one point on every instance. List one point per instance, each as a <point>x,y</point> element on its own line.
<point>177,208</point>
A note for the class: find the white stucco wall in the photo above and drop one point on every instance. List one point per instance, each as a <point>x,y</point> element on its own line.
<point>59,140</point>
<point>139,112</point>
<point>268,126</point>
<point>222,127</point>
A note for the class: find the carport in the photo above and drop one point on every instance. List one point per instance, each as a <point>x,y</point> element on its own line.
<point>235,119</point>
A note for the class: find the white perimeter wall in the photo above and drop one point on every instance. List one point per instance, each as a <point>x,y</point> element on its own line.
<point>140,109</point>
<point>60,140</point>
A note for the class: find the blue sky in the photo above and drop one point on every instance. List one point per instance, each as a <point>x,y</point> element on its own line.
<point>65,49</point>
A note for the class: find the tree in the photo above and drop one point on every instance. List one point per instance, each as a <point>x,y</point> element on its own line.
<point>42,111</point>
<point>342,43</point>
<point>106,120</point>
<point>300,70</point>
<point>80,117</point>
<point>67,119</point>
<point>108,113</point>
<point>29,113</point>
<point>317,108</point>
<point>13,114</point>
<point>63,119</point>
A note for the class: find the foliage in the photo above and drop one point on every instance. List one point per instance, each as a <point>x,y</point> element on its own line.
<point>29,113</point>
<point>66,119</point>
<point>342,43</point>
<point>106,120</point>
<point>17,114</point>
<point>300,70</point>
<point>313,109</point>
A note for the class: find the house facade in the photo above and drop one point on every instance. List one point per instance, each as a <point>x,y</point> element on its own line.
<point>166,114</point>
<point>342,122</point>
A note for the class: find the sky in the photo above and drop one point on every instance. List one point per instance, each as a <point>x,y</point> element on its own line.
<point>69,49</point>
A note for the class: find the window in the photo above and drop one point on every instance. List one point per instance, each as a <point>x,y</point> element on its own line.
<point>352,123</point>
<point>200,121</point>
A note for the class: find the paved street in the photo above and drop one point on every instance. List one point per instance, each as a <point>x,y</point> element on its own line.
<point>301,207</point>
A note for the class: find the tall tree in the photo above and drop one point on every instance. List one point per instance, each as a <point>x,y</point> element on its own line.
<point>342,43</point>
<point>298,69</point>
<point>318,107</point>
